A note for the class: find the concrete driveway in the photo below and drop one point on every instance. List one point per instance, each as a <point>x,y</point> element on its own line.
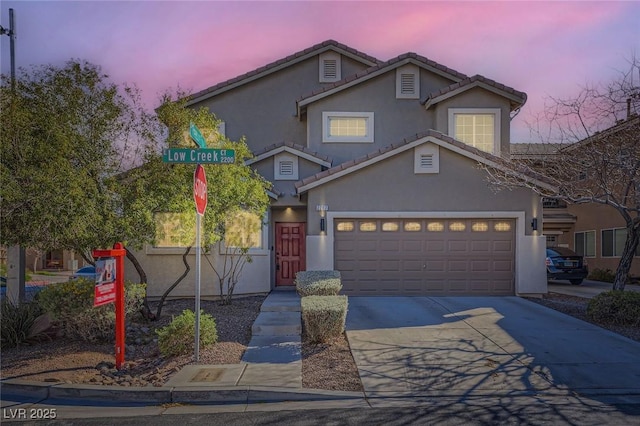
<point>473,346</point>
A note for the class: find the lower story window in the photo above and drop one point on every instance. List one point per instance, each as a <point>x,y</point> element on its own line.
<point>175,230</point>
<point>585,243</point>
<point>243,230</point>
<point>613,241</point>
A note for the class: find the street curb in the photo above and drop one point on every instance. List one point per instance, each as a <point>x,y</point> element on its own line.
<point>13,389</point>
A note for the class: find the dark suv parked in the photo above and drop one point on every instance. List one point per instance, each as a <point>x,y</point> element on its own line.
<point>564,264</point>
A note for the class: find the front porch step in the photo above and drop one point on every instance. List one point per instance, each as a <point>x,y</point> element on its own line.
<point>281,302</point>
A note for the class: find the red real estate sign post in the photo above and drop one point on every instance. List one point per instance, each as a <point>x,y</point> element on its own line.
<point>103,297</point>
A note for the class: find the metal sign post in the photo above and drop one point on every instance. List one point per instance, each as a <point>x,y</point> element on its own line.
<point>200,197</point>
<point>205,156</point>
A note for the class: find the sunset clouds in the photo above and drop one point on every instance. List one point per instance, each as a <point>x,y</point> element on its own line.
<point>537,47</point>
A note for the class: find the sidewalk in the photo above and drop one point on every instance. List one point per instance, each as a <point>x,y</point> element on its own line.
<point>270,371</point>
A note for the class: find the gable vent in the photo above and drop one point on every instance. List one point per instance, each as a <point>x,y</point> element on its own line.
<point>407,84</point>
<point>426,161</point>
<point>286,168</point>
<point>330,69</point>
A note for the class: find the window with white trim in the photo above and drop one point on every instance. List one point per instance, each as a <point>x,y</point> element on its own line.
<point>478,127</point>
<point>174,230</point>
<point>285,167</point>
<point>613,241</point>
<point>426,159</point>
<point>585,243</point>
<point>243,230</point>
<point>408,82</point>
<point>330,67</point>
<point>355,127</point>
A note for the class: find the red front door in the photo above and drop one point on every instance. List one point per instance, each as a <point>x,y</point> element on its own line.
<point>290,251</point>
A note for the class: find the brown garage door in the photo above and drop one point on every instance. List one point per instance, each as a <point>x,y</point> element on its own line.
<point>425,256</point>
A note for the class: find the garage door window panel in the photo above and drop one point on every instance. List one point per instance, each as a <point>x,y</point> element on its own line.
<point>345,227</point>
<point>412,226</point>
<point>368,226</point>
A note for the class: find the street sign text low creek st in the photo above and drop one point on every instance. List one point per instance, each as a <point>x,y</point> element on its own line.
<point>198,156</point>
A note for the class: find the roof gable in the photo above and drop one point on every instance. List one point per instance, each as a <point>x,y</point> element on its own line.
<point>376,70</point>
<point>516,97</point>
<point>291,148</point>
<point>281,64</point>
<point>429,136</point>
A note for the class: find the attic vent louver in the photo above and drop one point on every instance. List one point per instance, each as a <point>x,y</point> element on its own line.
<point>426,161</point>
<point>330,69</point>
<point>286,168</point>
<point>407,84</point>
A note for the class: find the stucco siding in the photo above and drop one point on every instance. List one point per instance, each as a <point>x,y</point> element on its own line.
<point>163,269</point>
<point>394,119</point>
<point>391,185</point>
<point>476,98</point>
<point>597,217</point>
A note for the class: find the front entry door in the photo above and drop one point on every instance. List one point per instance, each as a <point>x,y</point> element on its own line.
<point>290,251</point>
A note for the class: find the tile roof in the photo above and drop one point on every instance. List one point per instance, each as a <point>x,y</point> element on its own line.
<point>273,65</point>
<point>534,149</point>
<point>519,97</point>
<point>472,151</point>
<point>297,147</point>
<point>382,67</point>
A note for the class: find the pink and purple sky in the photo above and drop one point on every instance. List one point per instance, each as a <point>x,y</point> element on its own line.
<point>541,48</point>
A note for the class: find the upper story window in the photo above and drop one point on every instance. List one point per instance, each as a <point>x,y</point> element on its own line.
<point>330,67</point>
<point>347,127</point>
<point>408,82</point>
<point>478,127</point>
<point>285,167</point>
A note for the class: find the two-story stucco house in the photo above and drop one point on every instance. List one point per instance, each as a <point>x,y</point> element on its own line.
<point>375,173</point>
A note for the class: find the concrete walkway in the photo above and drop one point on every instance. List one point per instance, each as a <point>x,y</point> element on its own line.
<point>273,357</point>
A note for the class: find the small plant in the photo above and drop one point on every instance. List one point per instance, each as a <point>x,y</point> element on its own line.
<point>21,323</point>
<point>178,337</point>
<point>71,306</point>
<point>615,307</point>
<point>604,275</point>
<point>323,316</point>
<point>318,283</point>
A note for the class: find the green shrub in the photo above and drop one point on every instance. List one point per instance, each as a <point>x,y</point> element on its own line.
<point>604,275</point>
<point>615,307</point>
<point>179,336</point>
<point>323,316</point>
<point>21,323</point>
<point>71,306</point>
<point>318,283</point>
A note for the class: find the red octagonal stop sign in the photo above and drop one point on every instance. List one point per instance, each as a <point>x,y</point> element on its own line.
<point>200,189</point>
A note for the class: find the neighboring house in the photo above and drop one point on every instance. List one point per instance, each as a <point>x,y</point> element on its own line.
<point>595,231</point>
<point>375,173</point>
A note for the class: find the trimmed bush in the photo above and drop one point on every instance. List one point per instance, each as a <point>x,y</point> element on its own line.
<point>179,336</point>
<point>604,275</point>
<point>323,316</point>
<point>615,307</point>
<point>21,323</point>
<point>71,306</point>
<point>318,283</point>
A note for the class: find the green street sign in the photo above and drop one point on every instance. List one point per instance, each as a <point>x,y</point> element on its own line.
<point>197,137</point>
<point>198,156</point>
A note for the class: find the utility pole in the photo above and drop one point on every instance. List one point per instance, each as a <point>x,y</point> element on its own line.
<point>15,254</point>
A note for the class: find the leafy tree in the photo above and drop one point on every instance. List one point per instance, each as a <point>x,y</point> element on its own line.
<point>599,159</point>
<point>64,131</point>
<point>168,188</point>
